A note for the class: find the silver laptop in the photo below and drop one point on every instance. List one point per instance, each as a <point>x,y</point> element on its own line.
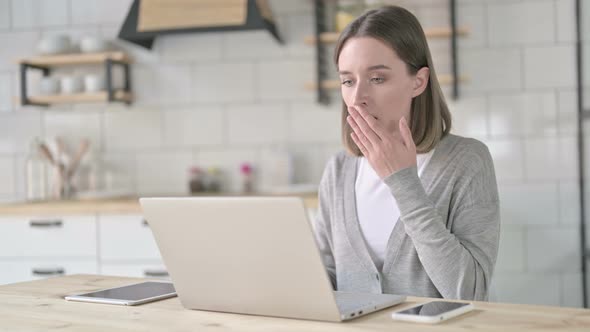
<point>250,255</point>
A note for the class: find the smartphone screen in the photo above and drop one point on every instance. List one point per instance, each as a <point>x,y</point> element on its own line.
<point>434,308</point>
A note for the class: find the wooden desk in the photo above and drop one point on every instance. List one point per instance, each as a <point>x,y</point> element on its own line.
<point>39,306</point>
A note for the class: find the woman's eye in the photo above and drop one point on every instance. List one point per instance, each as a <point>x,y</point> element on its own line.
<point>377,80</point>
<point>347,82</point>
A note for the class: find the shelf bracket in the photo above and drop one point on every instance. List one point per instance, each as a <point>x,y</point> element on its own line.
<point>109,79</point>
<point>24,96</point>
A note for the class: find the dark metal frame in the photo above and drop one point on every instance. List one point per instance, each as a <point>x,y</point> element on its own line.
<point>108,64</point>
<point>24,96</point>
<point>582,115</point>
<point>109,78</point>
<point>321,66</point>
<point>454,52</point>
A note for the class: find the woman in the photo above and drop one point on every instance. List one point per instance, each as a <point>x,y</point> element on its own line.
<point>409,209</point>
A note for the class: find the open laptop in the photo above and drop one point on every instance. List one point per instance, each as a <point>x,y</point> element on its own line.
<point>250,255</point>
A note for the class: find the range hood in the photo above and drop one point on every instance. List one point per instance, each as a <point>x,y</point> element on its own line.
<point>148,19</point>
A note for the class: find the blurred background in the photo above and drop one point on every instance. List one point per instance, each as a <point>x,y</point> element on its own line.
<point>107,100</point>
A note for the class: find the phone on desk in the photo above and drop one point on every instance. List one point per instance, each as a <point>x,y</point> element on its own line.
<point>433,312</point>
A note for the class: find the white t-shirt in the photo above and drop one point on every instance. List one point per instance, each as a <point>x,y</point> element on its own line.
<point>376,208</point>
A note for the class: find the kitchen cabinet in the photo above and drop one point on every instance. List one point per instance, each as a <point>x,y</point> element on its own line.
<point>33,247</point>
<point>39,247</point>
<point>12,271</point>
<point>35,237</point>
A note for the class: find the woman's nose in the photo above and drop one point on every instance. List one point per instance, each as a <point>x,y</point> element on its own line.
<point>360,95</point>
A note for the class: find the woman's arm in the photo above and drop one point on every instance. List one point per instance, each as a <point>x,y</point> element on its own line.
<point>322,227</point>
<point>459,261</point>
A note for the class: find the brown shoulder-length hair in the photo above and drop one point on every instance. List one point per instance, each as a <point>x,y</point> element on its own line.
<point>430,119</point>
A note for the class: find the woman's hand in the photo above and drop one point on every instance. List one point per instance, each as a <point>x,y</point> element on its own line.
<point>386,152</point>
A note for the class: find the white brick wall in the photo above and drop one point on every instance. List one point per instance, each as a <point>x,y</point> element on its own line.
<point>220,99</point>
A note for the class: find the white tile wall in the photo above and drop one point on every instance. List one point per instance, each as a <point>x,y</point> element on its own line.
<point>229,82</point>
<point>195,126</point>
<point>132,129</point>
<point>172,84</point>
<point>27,14</point>
<point>567,101</point>
<point>285,80</point>
<point>6,94</point>
<point>165,172</point>
<point>547,67</point>
<point>312,123</point>
<point>293,29</point>
<point>522,23</point>
<point>539,208</point>
<point>74,126</point>
<point>508,159</point>
<point>526,288</point>
<point>5,14</point>
<point>491,69</point>
<point>517,114</point>
<point>566,25</point>
<point>191,47</point>
<point>220,99</point>
<point>469,116</point>
<point>550,158</point>
<point>257,124</point>
<point>553,248</point>
<point>22,44</point>
<point>7,167</point>
<point>569,202</point>
<point>99,11</point>
<point>473,15</point>
<point>256,44</point>
<point>18,130</point>
<point>511,255</point>
<point>571,290</point>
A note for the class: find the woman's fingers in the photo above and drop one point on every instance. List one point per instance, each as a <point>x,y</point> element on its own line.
<point>361,122</point>
<point>360,135</point>
<point>360,144</point>
<point>371,121</point>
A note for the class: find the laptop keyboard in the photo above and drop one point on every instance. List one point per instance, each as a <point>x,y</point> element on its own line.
<point>353,301</point>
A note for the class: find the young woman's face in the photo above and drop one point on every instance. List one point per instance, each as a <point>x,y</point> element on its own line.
<point>374,77</point>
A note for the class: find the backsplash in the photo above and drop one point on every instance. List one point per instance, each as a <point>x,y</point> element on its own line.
<point>220,99</point>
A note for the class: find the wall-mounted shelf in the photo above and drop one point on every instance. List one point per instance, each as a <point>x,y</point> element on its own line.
<point>445,79</point>
<point>87,97</point>
<point>107,59</point>
<point>75,59</point>
<point>443,32</point>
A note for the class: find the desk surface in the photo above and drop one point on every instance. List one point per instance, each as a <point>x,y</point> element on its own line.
<point>39,306</point>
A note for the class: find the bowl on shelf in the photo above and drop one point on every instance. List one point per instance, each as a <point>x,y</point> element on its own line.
<point>57,44</point>
<point>94,83</point>
<point>91,44</point>
<point>49,86</point>
<point>71,84</point>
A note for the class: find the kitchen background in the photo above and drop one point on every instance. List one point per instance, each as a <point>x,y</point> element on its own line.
<point>225,98</point>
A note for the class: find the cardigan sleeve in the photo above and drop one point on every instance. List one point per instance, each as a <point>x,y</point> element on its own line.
<point>322,226</point>
<point>458,251</point>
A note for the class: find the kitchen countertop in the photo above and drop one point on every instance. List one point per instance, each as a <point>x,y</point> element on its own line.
<point>128,205</point>
<point>39,306</point>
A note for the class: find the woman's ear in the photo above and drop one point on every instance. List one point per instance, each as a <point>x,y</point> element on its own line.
<point>421,81</point>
